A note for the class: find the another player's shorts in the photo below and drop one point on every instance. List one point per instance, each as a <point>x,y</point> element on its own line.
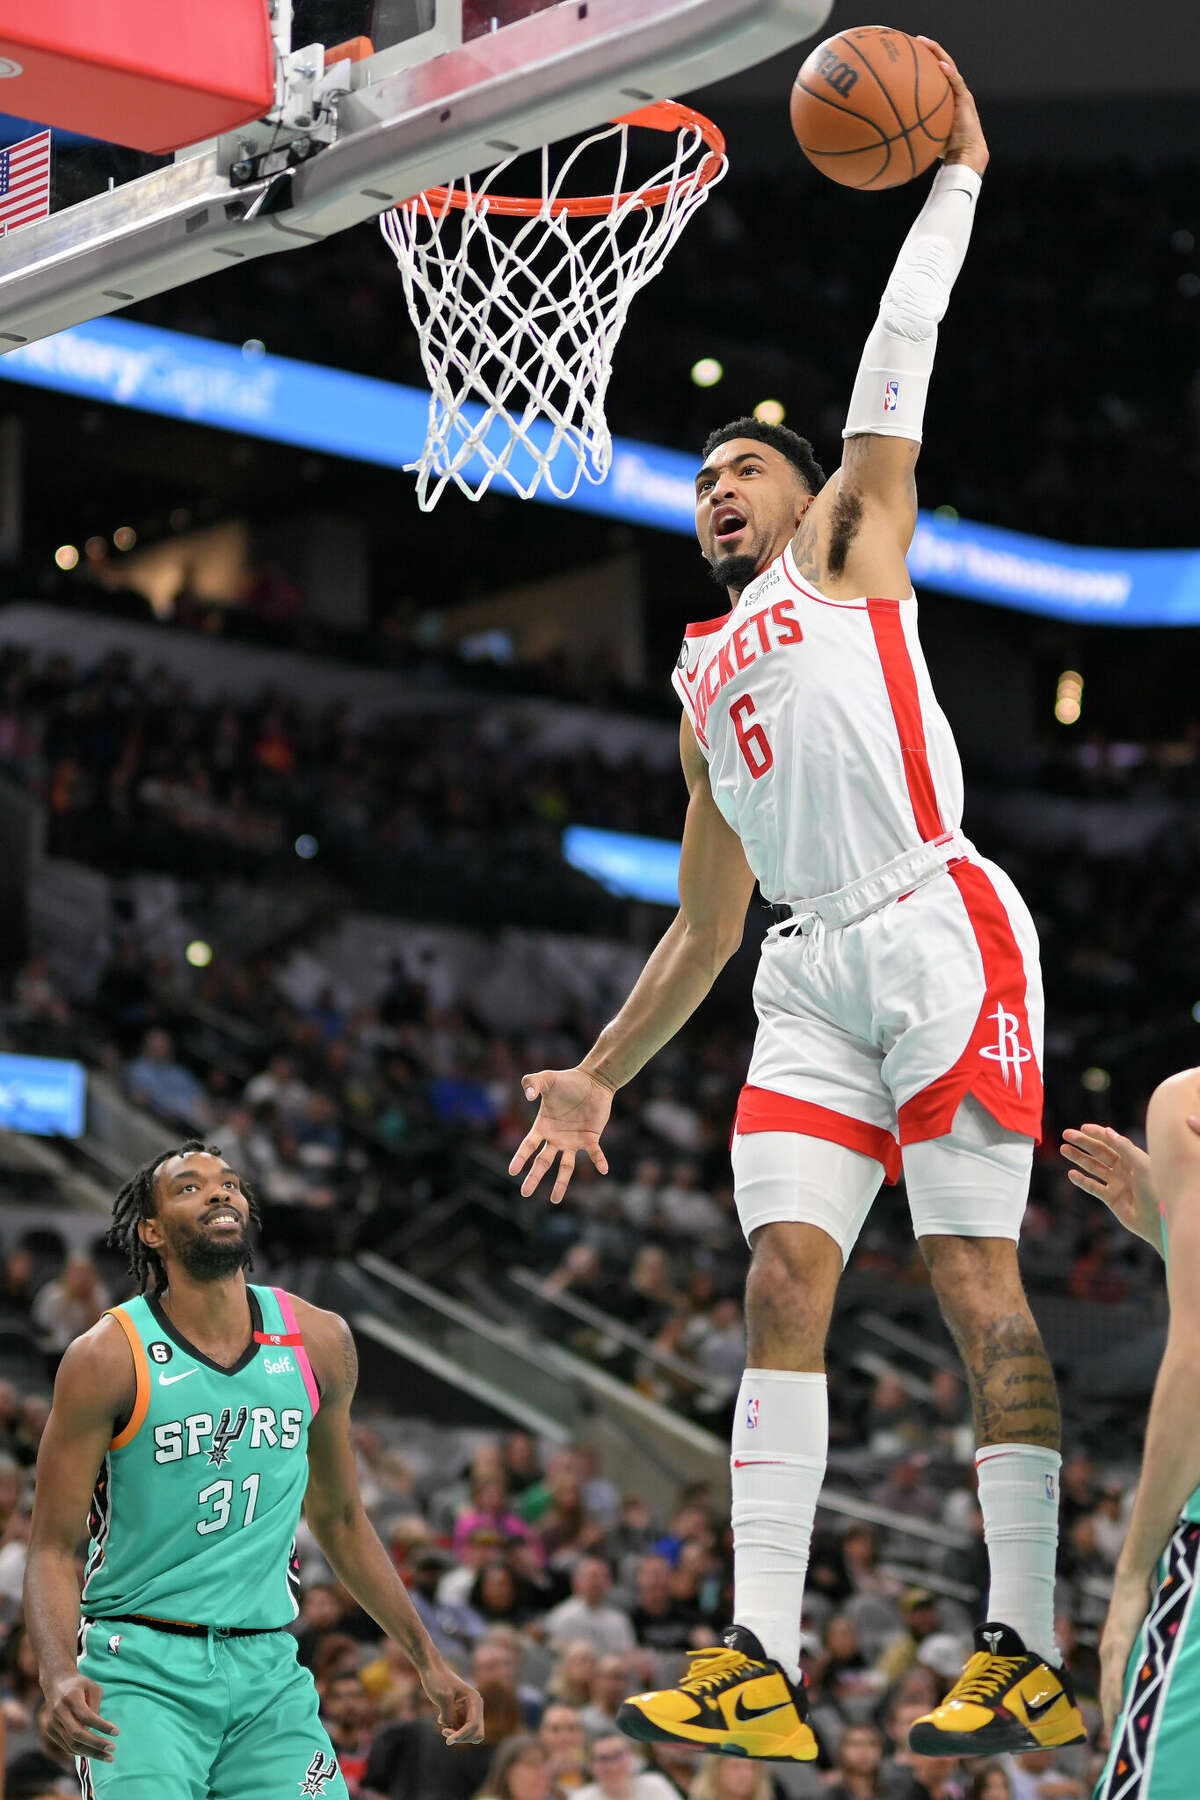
<point>1155,1751</point>
<point>200,1718</point>
<point>900,1026</point>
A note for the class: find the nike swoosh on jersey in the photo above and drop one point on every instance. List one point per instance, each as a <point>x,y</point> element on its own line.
<point>166,1380</point>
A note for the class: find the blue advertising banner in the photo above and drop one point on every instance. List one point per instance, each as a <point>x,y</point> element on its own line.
<point>276,398</point>
<point>634,868</point>
<point>41,1095</point>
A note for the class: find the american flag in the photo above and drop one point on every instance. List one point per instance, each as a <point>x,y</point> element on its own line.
<point>24,182</point>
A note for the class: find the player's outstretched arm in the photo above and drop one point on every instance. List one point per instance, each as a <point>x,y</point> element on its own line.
<point>334,1509</point>
<point>95,1387</point>
<point>1117,1172</point>
<point>876,484</point>
<point>715,884</point>
<point>1171,1461</point>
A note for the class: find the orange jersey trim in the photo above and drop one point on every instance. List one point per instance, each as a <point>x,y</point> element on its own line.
<point>141,1402</point>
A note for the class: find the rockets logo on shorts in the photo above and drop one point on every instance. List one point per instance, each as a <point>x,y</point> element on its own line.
<point>321,1771</point>
<point>891,396</point>
<point>1008,1049</point>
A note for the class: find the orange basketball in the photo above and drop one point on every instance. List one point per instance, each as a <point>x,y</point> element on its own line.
<point>871,108</point>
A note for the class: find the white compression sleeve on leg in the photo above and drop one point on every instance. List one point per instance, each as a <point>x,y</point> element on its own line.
<point>893,376</point>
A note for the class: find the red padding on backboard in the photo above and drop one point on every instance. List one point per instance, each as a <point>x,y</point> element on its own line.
<point>155,77</point>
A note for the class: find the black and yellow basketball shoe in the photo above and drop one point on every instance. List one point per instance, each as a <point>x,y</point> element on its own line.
<point>1006,1699</point>
<point>733,1700</point>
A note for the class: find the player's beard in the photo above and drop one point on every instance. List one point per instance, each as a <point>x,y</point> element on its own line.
<point>205,1256</point>
<point>736,572</point>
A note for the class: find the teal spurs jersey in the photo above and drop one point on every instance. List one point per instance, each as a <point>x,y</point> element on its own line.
<point>196,1504</point>
<point>1191,1510</point>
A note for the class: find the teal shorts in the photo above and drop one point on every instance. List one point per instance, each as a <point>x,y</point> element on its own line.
<point>206,1718</point>
<point>1155,1751</point>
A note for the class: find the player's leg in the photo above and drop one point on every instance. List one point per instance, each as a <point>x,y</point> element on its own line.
<point>967,1191</point>
<point>156,1695</point>
<point>275,1746</point>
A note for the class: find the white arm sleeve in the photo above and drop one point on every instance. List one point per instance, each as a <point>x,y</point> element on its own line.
<point>897,361</point>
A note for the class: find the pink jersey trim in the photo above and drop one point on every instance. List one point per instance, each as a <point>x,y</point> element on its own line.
<point>901,683</point>
<point>763,1109</point>
<point>306,1368</point>
<point>1011,1092</point>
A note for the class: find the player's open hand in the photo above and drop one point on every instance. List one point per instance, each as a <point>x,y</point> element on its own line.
<point>1117,1172</point>
<point>966,143</point>
<point>574,1111</point>
<point>459,1707</point>
<point>72,1721</point>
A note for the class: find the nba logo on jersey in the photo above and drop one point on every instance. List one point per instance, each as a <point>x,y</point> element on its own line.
<point>891,396</point>
<point>1050,1493</point>
<point>114,1643</point>
<point>752,1415</point>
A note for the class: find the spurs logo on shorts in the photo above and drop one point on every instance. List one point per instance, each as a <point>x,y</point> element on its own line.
<point>321,1770</point>
<point>1008,1049</point>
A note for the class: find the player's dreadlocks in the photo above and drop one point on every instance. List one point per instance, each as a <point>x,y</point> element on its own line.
<point>136,1201</point>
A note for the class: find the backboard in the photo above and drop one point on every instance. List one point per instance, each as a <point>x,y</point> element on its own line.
<point>376,101</point>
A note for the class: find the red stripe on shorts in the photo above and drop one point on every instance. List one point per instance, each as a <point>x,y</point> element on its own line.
<point>998,1065</point>
<point>901,683</point>
<point>762,1109</point>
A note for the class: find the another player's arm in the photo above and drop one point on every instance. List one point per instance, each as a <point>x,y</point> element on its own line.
<point>94,1391</point>
<point>715,884</point>
<point>334,1509</point>
<point>1171,1461</point>
<point>860,529</point>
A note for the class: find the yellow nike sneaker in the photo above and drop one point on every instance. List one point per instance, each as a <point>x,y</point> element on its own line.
<point>733,1701</point>
<point>1006,1699</point>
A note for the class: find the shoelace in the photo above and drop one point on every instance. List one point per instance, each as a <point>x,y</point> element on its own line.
<point>984,1676</point>
<point>709,1668</point>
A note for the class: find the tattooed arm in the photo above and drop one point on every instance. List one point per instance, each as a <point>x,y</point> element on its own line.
<point>334,1509</point>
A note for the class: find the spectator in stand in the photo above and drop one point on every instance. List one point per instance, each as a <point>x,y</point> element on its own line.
<point>905,1491</point>
<point>589,1613</point>
<point>860,1555</point>
<point>618,1774</point>
<point>408,1760</point>
<point>660,1621</point>
<point>488,1511</point>
<point>495,1596</point>
<point>348,1716</point>
<point>919,1609</point>
<point>989,1783</point>
<point>572,1677</point>
<point>610,1686</point>
<point>157,1081</point>
<point>454,1626</point>
<point>1041,1776</point>
<point>521,1771</point>
<point>860,1769</point>
<point>497,1658</point>
<point>17,1288</point>
<point>561,1733</point>
<point>952,1435</point>
<point>69,1305</point>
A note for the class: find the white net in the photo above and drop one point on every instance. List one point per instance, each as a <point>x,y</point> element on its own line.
<point>518,316</point>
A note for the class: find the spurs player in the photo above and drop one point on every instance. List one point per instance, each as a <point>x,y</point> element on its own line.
<point>900,1015</point>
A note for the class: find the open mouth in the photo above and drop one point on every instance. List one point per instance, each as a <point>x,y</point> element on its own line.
<point>728,525</point>
<point>225,1219</point>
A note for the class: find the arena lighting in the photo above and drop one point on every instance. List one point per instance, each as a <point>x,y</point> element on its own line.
<point>770,412</point>
<point>1068,700</point>
<point>96,549</point>
<point>124,537</point>
<point>253,347</point>
<point>1196,1012</point>
<point>67,556</point>
<point>1096,1081</point>
<point>306,846</point>
<point>121,363</point>
<point>707,372</point>
<point>199,954</point>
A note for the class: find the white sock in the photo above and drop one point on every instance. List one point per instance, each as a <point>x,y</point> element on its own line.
<point>1018,1496</point>
<point>777,1465</point>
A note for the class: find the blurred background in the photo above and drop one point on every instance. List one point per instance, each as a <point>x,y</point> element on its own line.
<point>306,795</point>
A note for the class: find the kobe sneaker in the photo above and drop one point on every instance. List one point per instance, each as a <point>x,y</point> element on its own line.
<point>733,1700</point>
<point>1006,1699</point>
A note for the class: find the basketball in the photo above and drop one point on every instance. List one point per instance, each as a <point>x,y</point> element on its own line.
<point>871,107</point>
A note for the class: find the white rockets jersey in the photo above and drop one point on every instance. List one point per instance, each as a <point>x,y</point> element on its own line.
<point>827,752</point>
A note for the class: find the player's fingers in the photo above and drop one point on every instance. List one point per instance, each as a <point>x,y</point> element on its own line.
<point>83,1713</point>
<point>599,1160</point>
<point>1089,1184</point>
<point>533,1085</point>
<point>1084,1160</point>
<point>945,58</point>
<point>524,1151</point>
<point>538,1167</point>
<point>566,1169</point>
<point>472,1731</point>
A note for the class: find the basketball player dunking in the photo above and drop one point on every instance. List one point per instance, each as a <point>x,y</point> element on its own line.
<point>900,1015</point>
<point>1150,1650</point>
<point>195,1421</point>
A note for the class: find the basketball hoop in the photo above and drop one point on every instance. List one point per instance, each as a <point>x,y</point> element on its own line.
<point>518,304</point>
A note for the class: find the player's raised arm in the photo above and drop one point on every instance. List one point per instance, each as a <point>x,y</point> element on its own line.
<point>94,1389</point>
<point>887,408</point>
<point>715,884</point>
<point>350,1543</point>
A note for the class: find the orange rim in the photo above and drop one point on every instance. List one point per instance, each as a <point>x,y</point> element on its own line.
<point>664,115</point>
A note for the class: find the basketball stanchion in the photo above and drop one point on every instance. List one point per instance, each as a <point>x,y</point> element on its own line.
<point>518,303</point>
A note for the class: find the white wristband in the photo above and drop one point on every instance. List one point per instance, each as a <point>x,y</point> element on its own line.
<point>897,361</point>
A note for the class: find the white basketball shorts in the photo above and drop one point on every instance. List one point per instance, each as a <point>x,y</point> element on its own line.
<point>909,1038</point>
